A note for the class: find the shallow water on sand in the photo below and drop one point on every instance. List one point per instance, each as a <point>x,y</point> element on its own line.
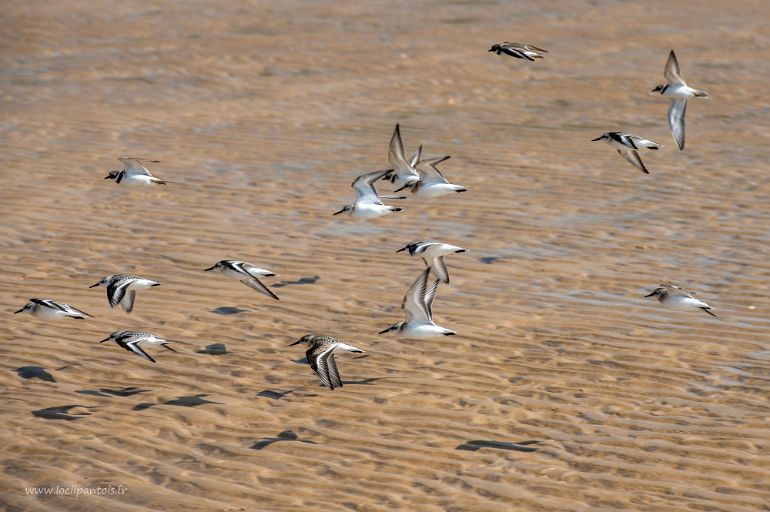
<point>262,114</point>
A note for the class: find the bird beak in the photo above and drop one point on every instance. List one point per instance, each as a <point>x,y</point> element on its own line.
<point>650,295</point>
<point>107,177</point>
<point>210,268</point>
<point>341,211</point>
<point>95,285</point>
<point>19,311</point>
<point>386,330</point>
<point>105,339</point>
<point>597,138</point>
<point>402,249</point>
<point>296,342</point>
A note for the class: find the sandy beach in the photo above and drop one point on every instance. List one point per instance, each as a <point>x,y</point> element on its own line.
<point>262,114</point>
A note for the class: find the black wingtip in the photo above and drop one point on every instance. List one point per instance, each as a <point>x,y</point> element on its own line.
<point>449,334</point>
<point>707,310</point>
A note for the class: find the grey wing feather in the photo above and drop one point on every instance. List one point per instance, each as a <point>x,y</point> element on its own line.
<point>672,73</point>
<point>676,112</point>
<point>334,373</point>
<point>128,301</point>
<point>430,294</point>
<point>632,156</point>
<point>256,284</point>
<point>439,269</point>
<point>133,346</point>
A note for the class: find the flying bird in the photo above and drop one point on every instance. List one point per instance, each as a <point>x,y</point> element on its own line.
<point>246,273</point>
<point>628,145</point>
<point>518,50</point>
<point>121,289</point>
<point>320,357</point>
<point>675,297</point>
<point>135,173</point>
<point>679,92</point>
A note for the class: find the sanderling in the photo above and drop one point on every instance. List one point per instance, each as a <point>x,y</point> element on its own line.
<point>320,357</point>
<point>417,304</point>
<point>120,289</point>
<point>518,50</point>
<point>368,204</point>
<point>627,146</point>
<point>134,173</point>
<point>432,183</point>
<point>404,171</point>
<point>679,91</point>
<point>245,273</point>
<point>433,254</point>
<point>675,297</point>
<point>48,309</point>
<point>130,341</point>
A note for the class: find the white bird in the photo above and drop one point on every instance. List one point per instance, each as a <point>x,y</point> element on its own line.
<point>368,203</point>
<point>518,50</point>
<point>432,183</point>
<point>320,357</point>
<point>675,297</point>
<point>120,289</point>
<point>404,171</point>
<point>627,146</point>
<point>134,173</point>
<point>417,304</point>
<point>679,92</point>
<point>433,254</point>
<point>130,341</point>
<point>48,309</point>
<point>246,273</point>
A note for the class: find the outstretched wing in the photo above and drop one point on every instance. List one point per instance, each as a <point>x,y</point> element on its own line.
<point>632,156</point>
<point>397,155</point>
<point>672,73</point>
<point>364,187</point>
<point>438,266</point>
<point>133,346</point>
<point>116,290</point>
<point>128,301</point>
<point>414,303</point>
<point>256,284</point>
<point>134,167</point>
<point>429,173</point>
<point>676,112</point>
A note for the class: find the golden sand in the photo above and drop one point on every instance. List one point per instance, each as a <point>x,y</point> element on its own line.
<point>262,113</point>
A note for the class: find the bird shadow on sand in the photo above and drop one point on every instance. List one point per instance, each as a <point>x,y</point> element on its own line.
<point>181,401</point>
<point>274,395</point>
<point>113,392</point>
<point>227,310</point>
<point>34,372</point>
<point>286,435</point>
<point>61,412</point>
<point>301,280</point>
<point>500,445</point>
<point>488,260</point>
<point>215,349</point>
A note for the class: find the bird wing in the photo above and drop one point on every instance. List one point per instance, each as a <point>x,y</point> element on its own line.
<point>319,363</point>
<point>128,301</point>
<point>364,187</point>
<point>438,266</point>
<point>672,73</point>
<point>632,156</point>
<point>430,294</point>
<point>134,167</point>
<point>429,173</point>
<point>116,290</point>
<point>416,157</point>
<point>256,284</point>
<point>414,303</point>
<point>397,155</point>
<point>133,346</point>
<point>676,112</point>
<point>334,373</point>
<point>68,309</point>
<point>252,270</point>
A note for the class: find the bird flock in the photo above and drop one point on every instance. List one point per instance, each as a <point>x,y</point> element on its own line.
<point>419,176</point>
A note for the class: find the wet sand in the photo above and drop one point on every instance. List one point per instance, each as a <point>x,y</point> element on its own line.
<point>262,114</point>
